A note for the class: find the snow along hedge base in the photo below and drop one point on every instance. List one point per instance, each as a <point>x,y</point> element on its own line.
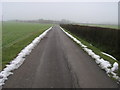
<point>104,64</point>
<point>18,61</point>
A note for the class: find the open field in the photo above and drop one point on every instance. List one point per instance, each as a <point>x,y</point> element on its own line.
<point>16,35</point>
<point>102,25</point>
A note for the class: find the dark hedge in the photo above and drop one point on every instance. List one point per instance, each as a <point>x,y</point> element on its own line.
<point>106,39</point>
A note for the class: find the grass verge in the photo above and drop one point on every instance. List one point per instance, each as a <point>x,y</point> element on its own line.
<point>96,51</point>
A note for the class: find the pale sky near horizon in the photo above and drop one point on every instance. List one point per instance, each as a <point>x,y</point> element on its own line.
<point>82,12</point>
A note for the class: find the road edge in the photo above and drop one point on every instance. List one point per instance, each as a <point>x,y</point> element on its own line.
<point>18,61</point>
<point>103,64</point>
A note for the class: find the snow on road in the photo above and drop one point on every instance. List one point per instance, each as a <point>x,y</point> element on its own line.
<point>108,55</point>
<point>18,61</point>
<point>104,64</point>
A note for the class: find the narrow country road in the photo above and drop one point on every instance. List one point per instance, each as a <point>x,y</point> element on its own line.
<point>58,62</point>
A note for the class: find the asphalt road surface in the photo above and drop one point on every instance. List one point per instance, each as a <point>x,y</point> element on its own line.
<point>58,62</point>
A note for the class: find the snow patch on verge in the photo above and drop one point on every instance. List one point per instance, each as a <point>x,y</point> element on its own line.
<point>18,61</point>
<point>108,55</point>
<point>104,64</point>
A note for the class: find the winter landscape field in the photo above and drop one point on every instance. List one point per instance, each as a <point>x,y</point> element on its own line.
<point>59,45</point>
<point>102,25</point>
<point>16,35</point>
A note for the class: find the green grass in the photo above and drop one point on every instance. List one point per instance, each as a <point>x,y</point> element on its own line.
<point>17,35</point>
<point>102,25</point>
<point>97,51</point>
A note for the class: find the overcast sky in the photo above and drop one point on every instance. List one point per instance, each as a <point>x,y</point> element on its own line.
<point>82,12</point>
